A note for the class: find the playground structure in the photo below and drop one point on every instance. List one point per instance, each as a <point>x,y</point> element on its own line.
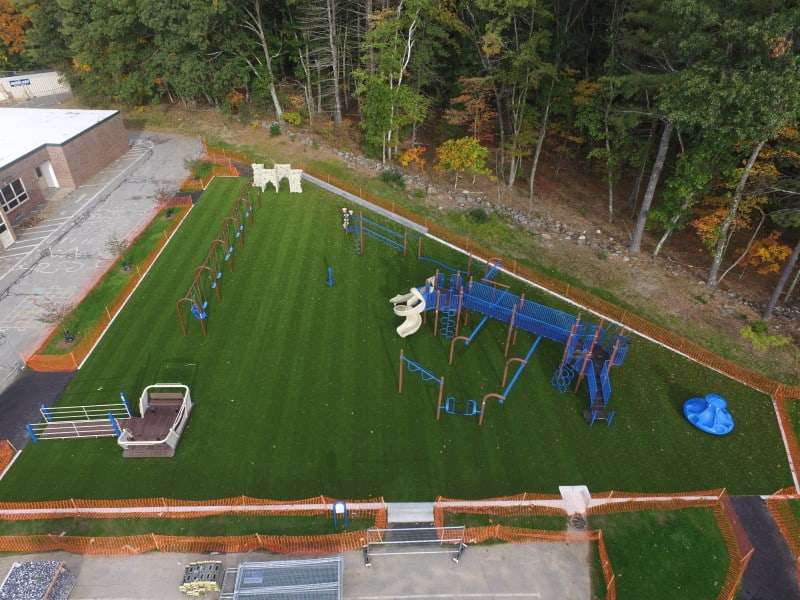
<point>411,306</point>
<point>709,414</point>
<point>208,275</point>
<point>78,422</point>
<point>263,177</point>
<point>590,351</point>
<point>425,374</point>
<point>363,227</point>
<point>164,410</point>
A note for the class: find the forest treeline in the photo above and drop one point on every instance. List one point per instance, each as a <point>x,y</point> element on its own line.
<point>692,104</point>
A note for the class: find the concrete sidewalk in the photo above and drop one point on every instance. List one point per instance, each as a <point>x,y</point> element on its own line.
<point>544,571</point>
<point>66,251</point>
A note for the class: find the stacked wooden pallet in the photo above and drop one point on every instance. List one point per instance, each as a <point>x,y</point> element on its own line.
<point>201,577</point>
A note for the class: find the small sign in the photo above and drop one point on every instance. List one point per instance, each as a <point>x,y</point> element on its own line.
<point>19,82</point>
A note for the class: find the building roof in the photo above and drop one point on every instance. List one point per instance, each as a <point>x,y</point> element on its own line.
<point>25,130</point>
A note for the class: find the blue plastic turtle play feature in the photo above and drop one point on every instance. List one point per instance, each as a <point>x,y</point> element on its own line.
<point>709,414</point>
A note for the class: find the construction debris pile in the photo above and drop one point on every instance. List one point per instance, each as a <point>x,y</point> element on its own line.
<point>201,577</point>
<point>38,580</point>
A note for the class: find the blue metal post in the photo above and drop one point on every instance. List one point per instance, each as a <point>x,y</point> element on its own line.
<point>124,400</point>
<point>330,280</point>
<point>46,414</point>
<point>114,425</point>
<point>31,433</point>
<point>521,368</point>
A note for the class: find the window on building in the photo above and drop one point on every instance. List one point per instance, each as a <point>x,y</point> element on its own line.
<point>12,195</point>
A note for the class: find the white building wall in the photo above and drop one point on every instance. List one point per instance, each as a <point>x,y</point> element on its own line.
<point>32,85</point>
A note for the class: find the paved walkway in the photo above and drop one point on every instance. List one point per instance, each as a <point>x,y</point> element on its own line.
<point>771,572</point>
<point>546,571</point>
<point>63,253</point>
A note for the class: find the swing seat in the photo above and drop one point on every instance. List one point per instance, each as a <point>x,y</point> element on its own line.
<point>219,274</point>
<point>465,408</point>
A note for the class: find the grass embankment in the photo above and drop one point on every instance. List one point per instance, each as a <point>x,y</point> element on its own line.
<point>218,525</point>
<point>665,554</point>
<point>295,388</point>
<point>92,308</point>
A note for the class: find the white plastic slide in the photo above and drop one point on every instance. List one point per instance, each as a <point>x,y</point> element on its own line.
<point>411,306</point>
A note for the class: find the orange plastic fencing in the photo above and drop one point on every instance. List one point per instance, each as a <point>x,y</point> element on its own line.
<point>782,399</point>
<point>737,543</point>
<point>7,453</point>
<point>787,521</point>
<point>69,361</point>
<point>442,507</point>
<point>138,544</point>
<point>222,165</point>
<point>520,535</point>
<point>243,505</point>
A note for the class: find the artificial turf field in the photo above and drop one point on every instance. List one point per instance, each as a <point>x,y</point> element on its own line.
<point>295,388</point>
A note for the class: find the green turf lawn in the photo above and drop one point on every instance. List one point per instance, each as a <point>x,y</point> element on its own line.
<point>295,389</point>
<point>93,307</point>
<point>665,554</point>
<point>551,523</point>
<point>217,525</point>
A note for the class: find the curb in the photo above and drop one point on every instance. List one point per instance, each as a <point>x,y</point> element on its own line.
<point>23,267</point>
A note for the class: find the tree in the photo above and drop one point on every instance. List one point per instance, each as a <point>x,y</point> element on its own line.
<point>790,218</point>
<point>462,155</point>
<point>251,19</point>
<point>472,108</point>
<point>745,87</point>
<point>56,312</point>
<point>13,25</point>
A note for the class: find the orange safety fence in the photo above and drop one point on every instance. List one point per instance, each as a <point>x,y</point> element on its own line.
<point>740,550</point>
<point>781,400</point>
<point>70,508</point>
<point>137,544</point>
<point>7,453</point>
<point>787,521</point>
<point>69,360</point>
<point>222,166</point>
<point>716,492</point>
<point>441,507</point>
<point>521,535</point>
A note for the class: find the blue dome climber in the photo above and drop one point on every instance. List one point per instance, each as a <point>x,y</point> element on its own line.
<point>709,414</point>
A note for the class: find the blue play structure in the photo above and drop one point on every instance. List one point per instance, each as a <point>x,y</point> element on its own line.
<point>364,226</point>
<point>590,351</point>
<point>709,413</point>
<point>467,408</point>
<point>425,375</point>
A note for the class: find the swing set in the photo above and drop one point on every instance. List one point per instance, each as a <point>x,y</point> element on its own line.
<point>208,275</point>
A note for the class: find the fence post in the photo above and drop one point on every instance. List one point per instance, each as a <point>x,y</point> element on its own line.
<point>400,385</point>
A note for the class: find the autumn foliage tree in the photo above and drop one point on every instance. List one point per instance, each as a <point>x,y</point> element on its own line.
<point>462,155</point>
<point>414,157</point>
<point>472,108</point>
<point>13,25</point>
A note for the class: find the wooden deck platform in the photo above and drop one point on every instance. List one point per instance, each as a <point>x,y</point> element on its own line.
<point>153,426</point>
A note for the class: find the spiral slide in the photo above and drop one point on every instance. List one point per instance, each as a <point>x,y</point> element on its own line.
<point>411,306</point>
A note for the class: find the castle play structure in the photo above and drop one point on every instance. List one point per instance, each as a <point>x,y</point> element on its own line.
<point>262,177</point>
<point>590,350</point>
